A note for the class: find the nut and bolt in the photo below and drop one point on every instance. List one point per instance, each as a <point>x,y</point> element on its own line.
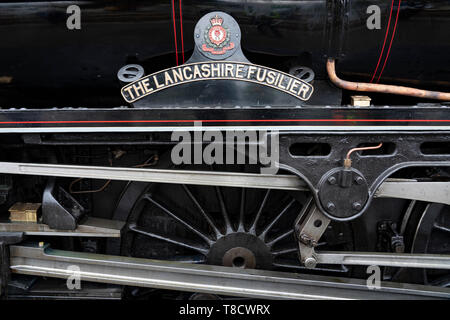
<point>332,180</point>
<point>331,206</point>
<point>359,180</point>
<point>310,263</point>
<point>307,240</point>
<point>357,206</point>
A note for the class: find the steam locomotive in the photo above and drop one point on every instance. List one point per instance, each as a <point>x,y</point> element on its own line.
<point>351,96</point>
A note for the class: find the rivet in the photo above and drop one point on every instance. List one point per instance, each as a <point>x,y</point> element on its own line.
<point>332,180</point>
<point>357,206</point>
<point>331,206</point>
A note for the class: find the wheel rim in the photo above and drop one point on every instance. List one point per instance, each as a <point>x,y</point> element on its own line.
<point>432,236</point>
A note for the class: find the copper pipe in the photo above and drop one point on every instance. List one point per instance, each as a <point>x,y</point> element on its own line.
<point>382,88</point>
<point>348,161</point>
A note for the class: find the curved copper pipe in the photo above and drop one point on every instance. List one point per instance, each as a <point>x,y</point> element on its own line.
<point>382,88</point>
<point>348,161</point>
<point>362,149</point>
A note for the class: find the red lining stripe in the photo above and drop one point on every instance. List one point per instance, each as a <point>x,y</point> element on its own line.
<point>227,120</point>
<point>384,42</point>
<point>174,31</point>
<point>392,40</point>
<point>181,31</point>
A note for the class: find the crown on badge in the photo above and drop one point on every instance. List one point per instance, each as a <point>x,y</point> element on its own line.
<point>216,21</point>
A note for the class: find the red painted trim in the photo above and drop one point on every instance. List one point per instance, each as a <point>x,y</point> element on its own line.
<point>384,42</point>
<point>174,31</point>
<point>181,30</point>
<point>226,120</point>
<point>392,40</point>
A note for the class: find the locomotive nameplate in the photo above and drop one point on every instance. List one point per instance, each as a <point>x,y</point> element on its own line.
<point>217,70</point>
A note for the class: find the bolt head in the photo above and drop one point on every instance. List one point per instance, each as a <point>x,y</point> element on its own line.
<point>331,206</point>
<point>331,180</point>
<point>359,180</point>
<point>357,206</point>
<point>310,263</point>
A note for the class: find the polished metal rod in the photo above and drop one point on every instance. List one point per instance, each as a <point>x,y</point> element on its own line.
<point>43,261</point>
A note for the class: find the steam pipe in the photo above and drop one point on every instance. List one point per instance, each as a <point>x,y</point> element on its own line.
<point>382,88</point>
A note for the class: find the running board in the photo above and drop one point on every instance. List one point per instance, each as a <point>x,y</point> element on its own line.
<point>44,261</point>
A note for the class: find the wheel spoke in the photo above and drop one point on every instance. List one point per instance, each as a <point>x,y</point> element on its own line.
<point>284,251</point>
<point>183,243</point>
<point>441,227</point>
<point>272,223</point>
<point>258,214</point>
<point>223,209</point>
<point>202,211</point>
<point>184,223</point>
<point>280,237</point>
<point>242,212</point>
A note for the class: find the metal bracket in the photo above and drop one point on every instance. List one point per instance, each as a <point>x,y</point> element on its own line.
<point>59,209</point>
<point>309,227</point>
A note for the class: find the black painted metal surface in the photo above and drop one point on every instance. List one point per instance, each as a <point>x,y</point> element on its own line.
<point>354,199</point>
<point>424,116</point>
<point>39,53</point>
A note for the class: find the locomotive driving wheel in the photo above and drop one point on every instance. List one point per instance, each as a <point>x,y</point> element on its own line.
<point>235,227</point>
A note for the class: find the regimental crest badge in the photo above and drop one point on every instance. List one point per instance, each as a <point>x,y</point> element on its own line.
<point>217,37</point>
